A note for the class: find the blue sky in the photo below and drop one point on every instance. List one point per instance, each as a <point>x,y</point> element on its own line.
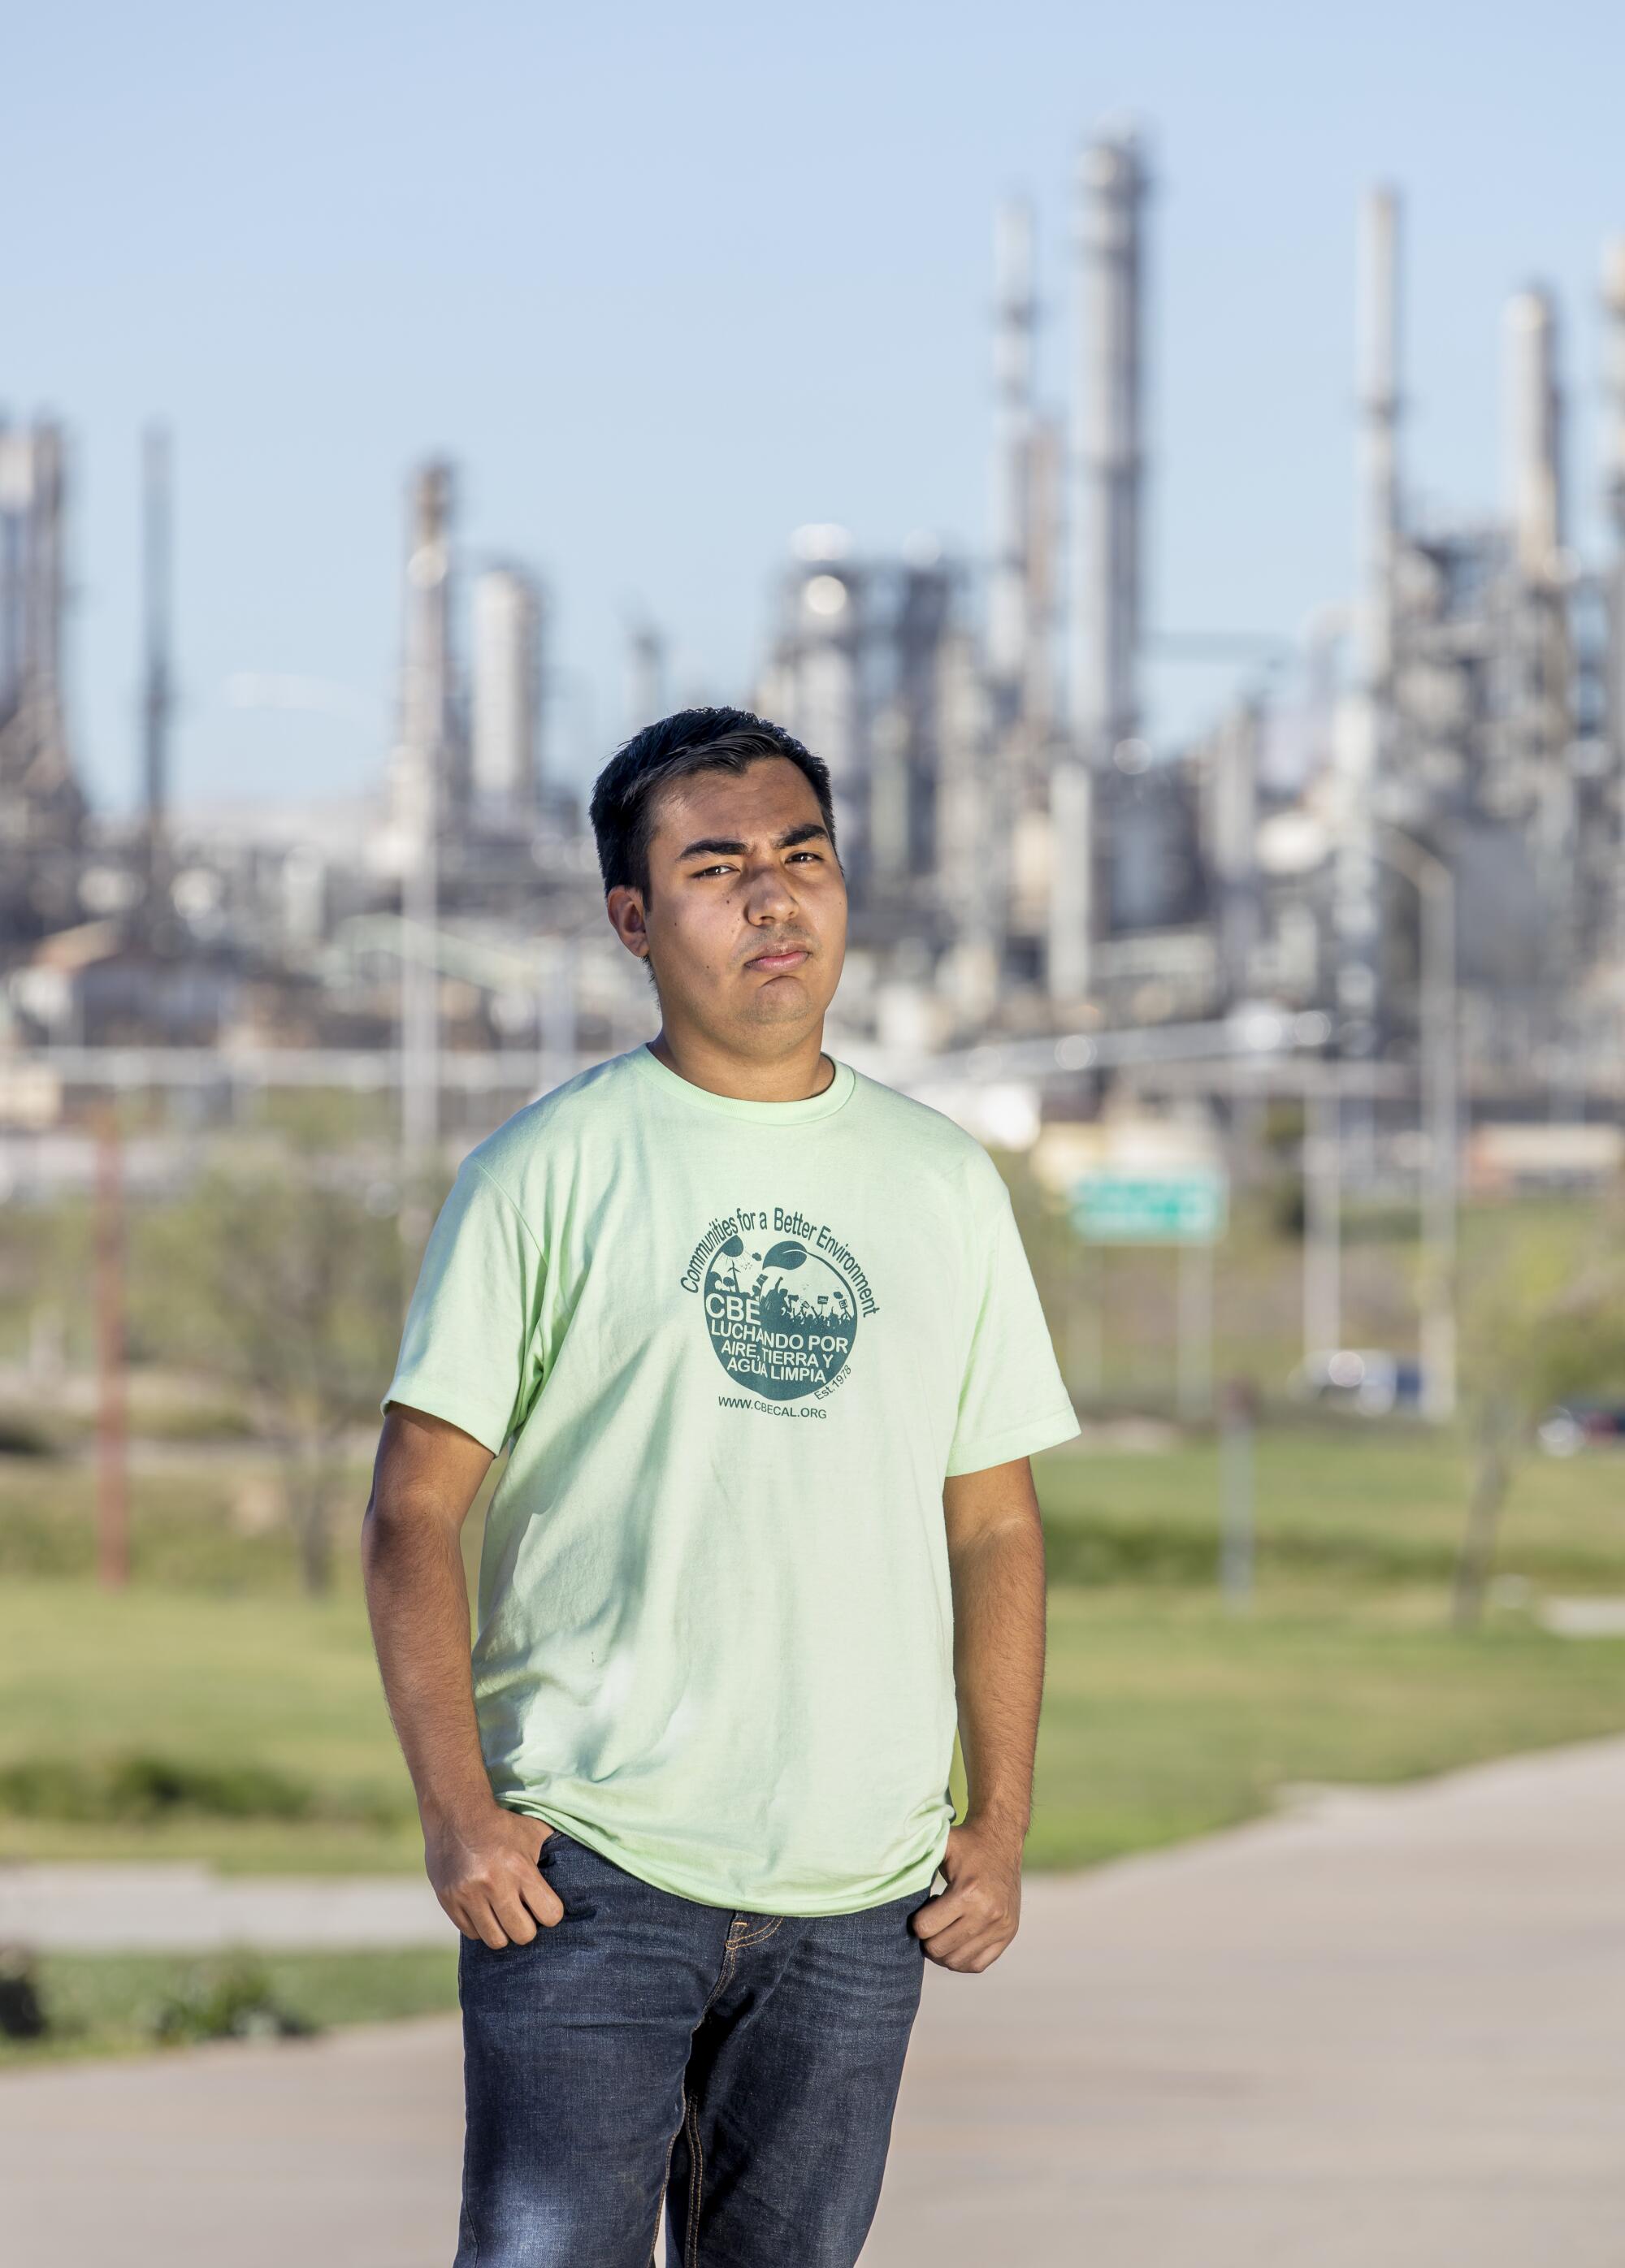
<point>670,282</point>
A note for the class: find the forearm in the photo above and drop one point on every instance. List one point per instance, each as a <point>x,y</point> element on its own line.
<point>998,1584</point>
<point>417,1603</point>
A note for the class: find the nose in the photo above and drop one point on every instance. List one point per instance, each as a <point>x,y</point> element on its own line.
<point>768,895</point>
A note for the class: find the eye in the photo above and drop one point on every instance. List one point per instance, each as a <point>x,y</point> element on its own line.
<point>816,856</point>
<point>701,872</point>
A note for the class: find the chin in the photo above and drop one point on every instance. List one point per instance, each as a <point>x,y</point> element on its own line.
<point>784,1001</point>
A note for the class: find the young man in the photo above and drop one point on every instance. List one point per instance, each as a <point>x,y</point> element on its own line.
<point>761,1340</point>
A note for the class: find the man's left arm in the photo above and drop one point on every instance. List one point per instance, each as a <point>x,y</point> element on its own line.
<point>995,1551</point>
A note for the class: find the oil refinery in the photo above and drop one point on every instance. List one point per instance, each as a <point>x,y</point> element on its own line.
<point>1385,880</point>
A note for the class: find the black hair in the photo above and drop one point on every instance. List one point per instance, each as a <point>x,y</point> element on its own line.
<point>691,741</point>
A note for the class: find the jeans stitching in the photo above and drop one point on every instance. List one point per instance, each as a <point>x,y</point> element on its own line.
<point>690,2109</point>
<point>723,1974</point>
<point>758,1936</point>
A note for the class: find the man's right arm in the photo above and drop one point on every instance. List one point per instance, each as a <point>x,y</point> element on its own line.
<point>480,1858</point>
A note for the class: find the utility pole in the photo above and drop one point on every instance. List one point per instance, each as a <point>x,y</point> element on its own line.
<point>1435,886</point>
<point>112,1429</point>
<point>1323,1230</point>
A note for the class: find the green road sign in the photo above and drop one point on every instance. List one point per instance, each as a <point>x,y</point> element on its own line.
<point>1187,1207</point>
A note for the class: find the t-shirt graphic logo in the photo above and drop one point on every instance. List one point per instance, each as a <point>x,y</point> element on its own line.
<point>781,1319</point>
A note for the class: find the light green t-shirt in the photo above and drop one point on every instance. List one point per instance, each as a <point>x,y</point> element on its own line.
<point>736,1347</point>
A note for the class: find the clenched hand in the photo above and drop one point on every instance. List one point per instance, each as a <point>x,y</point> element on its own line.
<point>484,1872</point>
<point>967,1926</point>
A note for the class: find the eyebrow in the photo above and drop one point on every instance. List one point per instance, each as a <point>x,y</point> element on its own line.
<point>726,847</point>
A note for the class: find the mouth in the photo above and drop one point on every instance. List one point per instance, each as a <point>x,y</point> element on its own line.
<point>779,960</point>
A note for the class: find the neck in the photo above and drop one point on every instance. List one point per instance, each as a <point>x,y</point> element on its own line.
<point>792,1073</point>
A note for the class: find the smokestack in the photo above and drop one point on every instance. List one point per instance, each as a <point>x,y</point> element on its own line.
<point>1046,480</point>
<point>1108,459</point>
<point>41,805</point>
<point>43,610</point>
<point>645,676</point>
<point>1106,546</point>
<point>13,493</point>
<point>44,807</point>
<point>1614,309</point>
<point>1010,499</point>
<point>1363,744</point>
<point>423,757</point>
<point>157,699</point>
<point>422,763</point>
<point>1533,434</point>
<point>1234,820</point>
<point>1614,480</point>
<point>823,641</point>
<point>1379,432</point>
<point>507,671</point>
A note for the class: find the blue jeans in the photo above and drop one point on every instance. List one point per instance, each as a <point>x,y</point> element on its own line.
<point>745,2064</point>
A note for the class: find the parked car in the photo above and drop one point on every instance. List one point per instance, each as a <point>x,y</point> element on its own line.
<point>1569,1427</point>
<point>1367,1380</point>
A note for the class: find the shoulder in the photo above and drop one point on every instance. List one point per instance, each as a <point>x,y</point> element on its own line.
<point>554,1125</point>
<point>927,1139</point>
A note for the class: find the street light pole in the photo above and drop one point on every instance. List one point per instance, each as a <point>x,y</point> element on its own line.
<point>1289,844</point>
<point>1323,1232</point>
<point>1435,888</point>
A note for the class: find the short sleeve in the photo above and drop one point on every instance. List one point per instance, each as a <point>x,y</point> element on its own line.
<point>469,1346</point>
<point>1012,1399</point>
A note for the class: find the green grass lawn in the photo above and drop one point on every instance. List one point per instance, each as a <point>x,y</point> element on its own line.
<point>1342,1508</point>
<point>215,1685</point>
<point>1165,1715</point>
<point>106,2004</point>
<point>286,1682</point>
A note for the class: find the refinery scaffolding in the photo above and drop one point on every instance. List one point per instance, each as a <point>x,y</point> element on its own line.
<point>1035,861</point>
<point>42,808</point>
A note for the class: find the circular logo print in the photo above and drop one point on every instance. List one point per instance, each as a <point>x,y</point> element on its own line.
<point>781,1320</point>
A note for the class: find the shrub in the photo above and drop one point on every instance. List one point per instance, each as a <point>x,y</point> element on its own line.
<point>142,1786</point>
<point>230,1998</point>
<point>22,2014</point>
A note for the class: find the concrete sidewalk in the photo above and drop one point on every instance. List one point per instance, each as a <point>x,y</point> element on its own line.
<point>1384,2031</point>
<point>173,1906</point>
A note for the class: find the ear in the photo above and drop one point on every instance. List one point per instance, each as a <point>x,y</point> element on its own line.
<point>625,907</point>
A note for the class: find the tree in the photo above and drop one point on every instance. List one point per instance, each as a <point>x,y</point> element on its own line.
<point>282,1271</point>
<point>1544,1323</point>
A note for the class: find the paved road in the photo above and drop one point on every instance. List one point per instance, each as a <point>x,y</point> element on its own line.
<point>174,1907</point>
<point>1386,2031</point>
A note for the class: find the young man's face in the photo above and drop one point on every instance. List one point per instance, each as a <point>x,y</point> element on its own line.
<point>745,921</point>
